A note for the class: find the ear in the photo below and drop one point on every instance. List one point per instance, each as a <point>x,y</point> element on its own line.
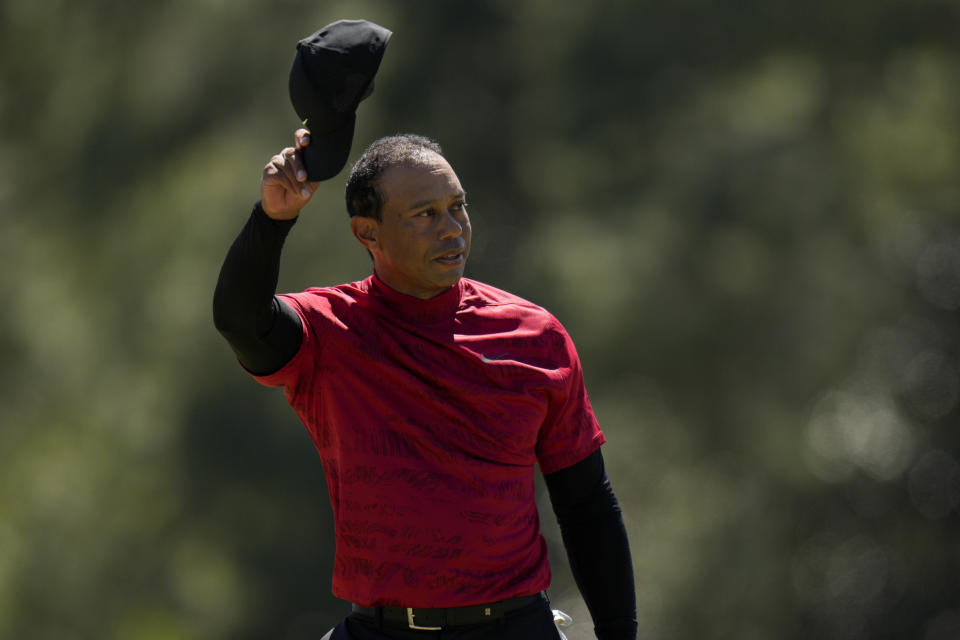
<point>366,231</point>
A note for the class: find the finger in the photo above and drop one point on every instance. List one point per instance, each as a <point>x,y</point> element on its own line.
<point>295,170</point>
<point>310,187</point>
<point>302,138</point>
<point>273,170</point>
<point>302,142</point>
<point>280,165</point>
<point>278,173</point>
<point>294,174</point>
<point>297,164</point>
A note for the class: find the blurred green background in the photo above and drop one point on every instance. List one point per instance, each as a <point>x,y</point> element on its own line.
<point>746,214</point>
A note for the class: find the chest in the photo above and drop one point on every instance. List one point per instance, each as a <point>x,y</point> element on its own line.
<point>481,390</point>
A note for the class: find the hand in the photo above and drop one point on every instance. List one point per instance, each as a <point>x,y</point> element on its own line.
<point>284,189</point>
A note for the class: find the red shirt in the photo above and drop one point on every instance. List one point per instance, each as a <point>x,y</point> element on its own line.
<point>429,416</point>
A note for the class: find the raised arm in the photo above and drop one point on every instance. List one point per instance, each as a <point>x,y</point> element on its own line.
<point>263,331</point>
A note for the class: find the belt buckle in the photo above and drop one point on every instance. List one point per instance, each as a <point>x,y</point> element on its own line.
<point>414,626</point>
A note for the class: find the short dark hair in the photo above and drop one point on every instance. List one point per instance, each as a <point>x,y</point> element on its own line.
<point>362,195</point>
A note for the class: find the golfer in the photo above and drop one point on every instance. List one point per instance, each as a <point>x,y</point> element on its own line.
<point>431,398</point>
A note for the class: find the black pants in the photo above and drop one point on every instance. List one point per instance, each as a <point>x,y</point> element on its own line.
<point>532,622</point>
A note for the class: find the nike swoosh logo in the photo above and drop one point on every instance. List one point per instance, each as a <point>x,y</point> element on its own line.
<point>493,359</point>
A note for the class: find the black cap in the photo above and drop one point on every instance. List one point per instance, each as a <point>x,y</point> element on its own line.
<point>332,72</point>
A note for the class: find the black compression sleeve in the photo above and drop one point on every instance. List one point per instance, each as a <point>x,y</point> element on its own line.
<point>263,331</point>
<point>595,538</point>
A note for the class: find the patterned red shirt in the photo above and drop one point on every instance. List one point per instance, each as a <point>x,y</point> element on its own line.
<point>429,416</point>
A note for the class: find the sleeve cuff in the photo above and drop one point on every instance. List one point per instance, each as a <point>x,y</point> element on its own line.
<point>283,226</point>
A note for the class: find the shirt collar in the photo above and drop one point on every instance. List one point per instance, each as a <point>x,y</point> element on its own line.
<point>413,309</point>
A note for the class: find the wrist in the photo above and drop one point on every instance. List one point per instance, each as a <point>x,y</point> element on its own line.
<point>259,209</point>
<point>618,629</point>
<point>279,216</point>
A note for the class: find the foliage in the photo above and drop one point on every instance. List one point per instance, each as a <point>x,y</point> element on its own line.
<point>745,215</point>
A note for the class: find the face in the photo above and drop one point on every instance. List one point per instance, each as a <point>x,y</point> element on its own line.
<point>420,246</point>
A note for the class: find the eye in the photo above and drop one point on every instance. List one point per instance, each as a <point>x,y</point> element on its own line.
<point>459,206</point>
<point>426,213</point>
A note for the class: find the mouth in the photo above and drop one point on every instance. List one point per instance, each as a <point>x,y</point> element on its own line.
<point>451,258</point>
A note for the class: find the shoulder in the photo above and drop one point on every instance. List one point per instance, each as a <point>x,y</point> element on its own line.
<point>324,300</point>
<point>492,301</point>
<point>481,294</point>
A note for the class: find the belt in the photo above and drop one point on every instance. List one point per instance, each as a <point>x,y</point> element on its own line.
<point>437,619</point>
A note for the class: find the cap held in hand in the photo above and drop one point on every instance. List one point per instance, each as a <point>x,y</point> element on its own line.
<point>332,73</point>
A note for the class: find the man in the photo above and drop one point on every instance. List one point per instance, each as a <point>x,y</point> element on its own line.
<point>430,398</point>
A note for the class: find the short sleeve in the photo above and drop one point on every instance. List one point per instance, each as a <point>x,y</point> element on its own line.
<point>298,371</point>
<point>570,432</point>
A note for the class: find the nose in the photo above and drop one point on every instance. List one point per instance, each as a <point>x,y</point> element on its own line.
<point>450,226</point>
